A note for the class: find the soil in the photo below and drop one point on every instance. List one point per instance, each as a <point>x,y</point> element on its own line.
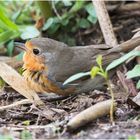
<point>50,122</point>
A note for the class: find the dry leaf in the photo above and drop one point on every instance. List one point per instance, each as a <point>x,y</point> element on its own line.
<point>18,83</point>
<point>136,99</point>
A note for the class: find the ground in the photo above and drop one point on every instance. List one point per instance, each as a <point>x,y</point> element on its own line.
<point>50,122</point>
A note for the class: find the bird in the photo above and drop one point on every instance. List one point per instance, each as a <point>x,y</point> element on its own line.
<point>48,63</point>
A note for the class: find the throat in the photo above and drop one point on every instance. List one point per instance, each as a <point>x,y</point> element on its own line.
<point>33,63</point>
<point>34,66</point>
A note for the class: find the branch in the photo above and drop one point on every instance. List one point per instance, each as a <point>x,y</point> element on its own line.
<point>105,23</point>
<point>25,101</point>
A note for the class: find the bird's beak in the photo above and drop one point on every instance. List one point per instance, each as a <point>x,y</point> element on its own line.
<point>20,45</point>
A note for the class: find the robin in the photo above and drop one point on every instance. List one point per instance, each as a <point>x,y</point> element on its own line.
<point>48,63</point>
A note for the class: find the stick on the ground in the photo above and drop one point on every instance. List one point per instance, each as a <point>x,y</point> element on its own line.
<point>105,23</point>
<point>90,114</point>
<point>15,104</point>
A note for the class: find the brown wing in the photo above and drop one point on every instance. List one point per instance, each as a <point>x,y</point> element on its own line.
<point>72,60</point>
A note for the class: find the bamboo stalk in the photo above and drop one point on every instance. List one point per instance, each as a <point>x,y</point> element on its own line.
<point>105,23</point>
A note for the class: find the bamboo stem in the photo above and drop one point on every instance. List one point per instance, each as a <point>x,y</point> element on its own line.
<point>105,23</point>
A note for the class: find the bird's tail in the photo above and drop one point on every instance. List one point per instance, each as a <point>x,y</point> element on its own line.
<point>126,46</point>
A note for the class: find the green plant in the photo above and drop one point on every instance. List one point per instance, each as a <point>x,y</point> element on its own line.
<point>70,21</point>
<point>26,135</point>
<point>96,70</point>
<point>61,16</point>
<point>132,138</point>
<point>45,8</point>
<point>135,72</point>
<point>6,137</point>
<point>64,19</point>
<point>12,25</point>
<point>2,83</point>
<point>8,30</point>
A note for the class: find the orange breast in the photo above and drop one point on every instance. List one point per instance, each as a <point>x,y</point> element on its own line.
<point>40,83</point>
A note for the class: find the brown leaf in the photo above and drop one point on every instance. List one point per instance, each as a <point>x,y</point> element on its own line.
<point>18,83</point>
<point>136,99</point>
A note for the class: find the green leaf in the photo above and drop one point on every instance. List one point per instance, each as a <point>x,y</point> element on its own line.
<point>6,137</point>
<point>74,28</point>
<point>135,72</point>
<point>3,26</point>
<point>2,83</point>
<point>30,32</point>
<point>77,6</point>
<point>103,74</point>
<point>133,137</point>
<point>91,10</point>
<point>10,48</point>
<point>65,21</point>
<point>27,122</point>
<point>1,30</point>
<point>83,23</point>
<point>67,2</point>
<point>122,59</point>
<point>20,70</point>
<point>76,77</point>
<point>94,71</point>
<point>7,21</point>
<point>8,35</point>
<point>53,28</point>
<point>138,85</point>
<point>26,135</point>
<point>16,14</point>
<point>20,56</point>
<point>92,19</point>
<point>48,23</point>
<point>99,60</point>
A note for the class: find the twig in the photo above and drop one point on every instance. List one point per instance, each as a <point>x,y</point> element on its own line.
<point>25,101</point>
<point>112,102</point>
<point>105,23</point>
<point>129,7</point>
<point>53,98</point>
<point>127,84</point>
<point>55,10</point>
<point>30,127</point>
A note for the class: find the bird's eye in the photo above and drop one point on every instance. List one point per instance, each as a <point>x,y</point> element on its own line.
<point>36,51</point>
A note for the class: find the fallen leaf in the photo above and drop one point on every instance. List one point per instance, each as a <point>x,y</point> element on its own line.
<point>17,82</point>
